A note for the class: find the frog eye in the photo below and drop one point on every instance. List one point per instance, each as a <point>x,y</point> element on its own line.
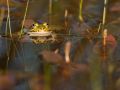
<point>33,25</point>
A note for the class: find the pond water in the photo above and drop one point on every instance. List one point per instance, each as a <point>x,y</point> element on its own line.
<point>93,65</point>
